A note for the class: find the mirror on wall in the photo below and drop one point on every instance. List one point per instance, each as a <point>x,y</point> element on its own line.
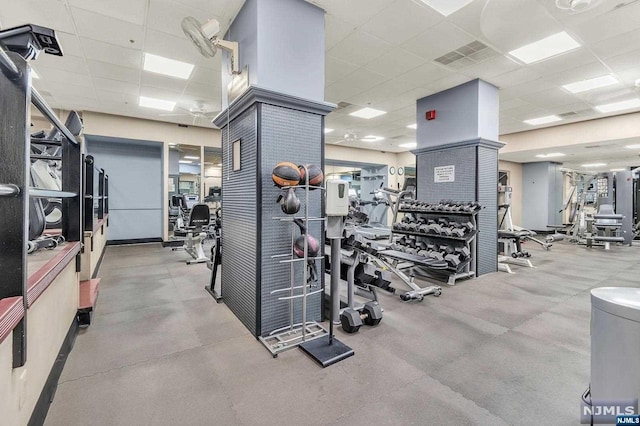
<point>212,177</point>
<point>184,178</point>
<point>364,180</point>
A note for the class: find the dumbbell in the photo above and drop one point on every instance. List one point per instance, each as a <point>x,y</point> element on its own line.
<point>370,314</point>
<point>453,260</point>
<point>421,245</point>
<point>436,255</point>
<point>446,249</point>
<point>457,232</point>
<point>446,231</point>
<point>463,252</point>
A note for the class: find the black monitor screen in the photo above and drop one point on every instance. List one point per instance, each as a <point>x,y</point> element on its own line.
<point>410,184</point>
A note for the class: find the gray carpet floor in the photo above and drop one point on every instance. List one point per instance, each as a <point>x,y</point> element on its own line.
<point>500,349</point>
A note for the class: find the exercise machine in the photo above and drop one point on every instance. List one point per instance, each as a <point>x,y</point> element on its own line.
<point>194,233</point>
<point>604,228</point>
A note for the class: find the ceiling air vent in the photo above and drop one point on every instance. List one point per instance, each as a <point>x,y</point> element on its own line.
<point>576,114</point>
<point>593,146</point>
<point>467,55</point>
<point>342,105</point>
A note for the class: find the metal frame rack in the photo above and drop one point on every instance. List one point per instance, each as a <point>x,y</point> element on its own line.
<point>294,334</point>
<point>90,208</point>
<point>467,268</point>
<point>15,142</point>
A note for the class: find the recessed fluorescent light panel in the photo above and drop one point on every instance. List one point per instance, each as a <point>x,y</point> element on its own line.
<point>327,130</point>
<point>371,138</point>
<point>184,162</point>
<point>543,120</point>
<point>635,146</point>
<point>166,66</point>
<point>617,170</point>
<point>547,47</point>
<point>446,7</point>
<point>191,157</point>
<point>590,84</point>
<point>368,113</point>
<point>412,126</point>
<point>551,155</point>
<point>594,165</point>
<point>156,103</point>
<point>619,106</point>
<point>408,145</point>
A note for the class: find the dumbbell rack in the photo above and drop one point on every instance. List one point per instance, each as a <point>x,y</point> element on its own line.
<point>467,268</point>
<point>294,334</point>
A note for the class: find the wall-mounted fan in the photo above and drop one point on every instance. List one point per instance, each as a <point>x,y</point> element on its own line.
<point>198,111</point>
<point>205,38</point>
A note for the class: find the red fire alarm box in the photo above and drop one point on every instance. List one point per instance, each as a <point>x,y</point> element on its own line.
<point>430,115</point>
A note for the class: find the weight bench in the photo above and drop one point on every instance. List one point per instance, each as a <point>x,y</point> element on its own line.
<point>194,233</point>
<point>415,292</point>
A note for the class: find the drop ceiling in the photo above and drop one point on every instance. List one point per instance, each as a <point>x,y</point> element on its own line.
<point>379,53</point>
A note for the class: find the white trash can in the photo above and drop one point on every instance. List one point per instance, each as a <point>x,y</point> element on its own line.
<point>615,343</point>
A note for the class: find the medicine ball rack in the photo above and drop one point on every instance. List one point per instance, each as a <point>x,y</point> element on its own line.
<point>294,334</point>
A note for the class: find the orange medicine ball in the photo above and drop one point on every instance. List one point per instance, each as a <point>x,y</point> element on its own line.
<point>285,174</point>
<point>316,177</point>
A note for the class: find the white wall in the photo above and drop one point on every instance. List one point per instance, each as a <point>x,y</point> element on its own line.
<point>48,321</point>
<point>591,131</point>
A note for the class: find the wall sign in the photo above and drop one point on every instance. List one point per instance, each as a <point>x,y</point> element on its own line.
<point>236,156</point>
<point>444,174</point>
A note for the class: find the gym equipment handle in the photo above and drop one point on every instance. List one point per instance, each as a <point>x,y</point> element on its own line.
<point>9,190</point>
<point>50,193</point>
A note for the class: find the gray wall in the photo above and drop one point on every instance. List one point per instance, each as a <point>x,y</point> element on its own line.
<point>268,31</point>
<point>135,185</point>
<point>542,188</point>
<point>281,133</point>
<point>464,113</point>
<point>476,179</point>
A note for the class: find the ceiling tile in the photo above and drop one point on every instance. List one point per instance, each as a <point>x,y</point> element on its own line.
<point>567,61</point>
<point>514,78</point>
<point>335,30</point>
<point>549,98</point>
<point>203,91</point>
<point>113,72</point>
<point>49,14</point>
<point>177,48</point>
<point>400,21</point>
<point>593,69</point>
<point>56,78</point>
<point>356,12</point>
<point>394,62</point>
<point>617,45</point>
<point>205,76</point>
<point>109,30</point>
<point>626,61</point>
<point>66,63</point>
<point>163,82</point>
<point>491,68</point>
<point>70,44</point>
<point>166,16</point>
<point>121,87</point>
<point>608,25</point>
<point>133,11</point>
<point>425,74</point>
<point>110,53</point>
<point>113,97</point>
<point>438,40</point>
<point>359,48</point>
<point>336,69</point>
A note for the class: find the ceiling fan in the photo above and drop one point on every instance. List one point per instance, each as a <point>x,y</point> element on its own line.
<point>577,6</point>
<point>198,111</point>
<point>349,136</point>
